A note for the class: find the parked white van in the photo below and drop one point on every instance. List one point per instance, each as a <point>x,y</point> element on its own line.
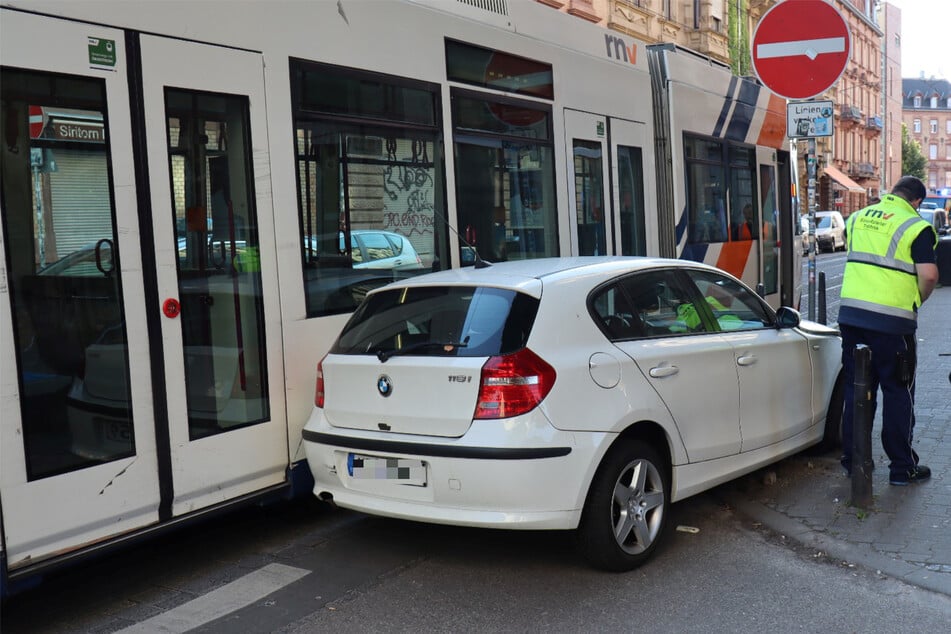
<point>830,231</point>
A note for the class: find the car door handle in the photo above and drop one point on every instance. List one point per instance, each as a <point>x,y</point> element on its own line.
<point>747,359</point>
<point>664,370</point>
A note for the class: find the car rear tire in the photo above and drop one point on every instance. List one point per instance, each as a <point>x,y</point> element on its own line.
<point>625,515</point>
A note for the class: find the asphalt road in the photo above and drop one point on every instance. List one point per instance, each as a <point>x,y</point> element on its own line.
<point>359,573</point>
<point>832,267</point>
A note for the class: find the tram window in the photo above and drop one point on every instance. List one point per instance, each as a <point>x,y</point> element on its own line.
<point>721,191</point>
<point>767,177</point>
<point>219,268</point>
<point>501,71</point>
<point>744,220</point>
<point>631,207</point>
<point>589,197</point>
<point>368,175</point>
<point>505,178</point>
<point>66,294</point>
<point>706,191</point>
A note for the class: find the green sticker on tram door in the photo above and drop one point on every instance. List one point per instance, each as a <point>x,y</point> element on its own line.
<point>600,128</point>
<point>102,53</point>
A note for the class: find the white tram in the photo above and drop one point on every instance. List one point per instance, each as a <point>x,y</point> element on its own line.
<point>196,194</point>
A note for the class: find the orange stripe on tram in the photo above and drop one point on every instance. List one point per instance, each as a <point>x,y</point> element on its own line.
<point>733,257</point>
<point>773,132</point>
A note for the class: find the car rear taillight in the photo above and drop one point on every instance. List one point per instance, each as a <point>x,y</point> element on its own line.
<point>513,384</point>
<point>319,389</point>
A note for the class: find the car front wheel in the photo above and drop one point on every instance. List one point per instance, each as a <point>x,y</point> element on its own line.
<point>626,511</point>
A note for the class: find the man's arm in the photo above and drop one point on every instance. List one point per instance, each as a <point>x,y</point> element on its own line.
<point>927,279</point>
<point>924,257</point>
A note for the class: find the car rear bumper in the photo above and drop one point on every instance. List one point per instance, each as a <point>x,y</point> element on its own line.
<point>514,473</point>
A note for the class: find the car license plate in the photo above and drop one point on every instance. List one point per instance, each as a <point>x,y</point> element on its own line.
<point>399,470</point>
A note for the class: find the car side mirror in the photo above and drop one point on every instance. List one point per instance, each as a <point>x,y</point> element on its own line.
<point>788,317</point>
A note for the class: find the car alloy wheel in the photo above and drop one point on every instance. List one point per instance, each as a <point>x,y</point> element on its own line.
<point>626,510</point>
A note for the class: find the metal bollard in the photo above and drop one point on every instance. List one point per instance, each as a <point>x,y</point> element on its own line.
<point>862,429</point>
<point>821,302</point>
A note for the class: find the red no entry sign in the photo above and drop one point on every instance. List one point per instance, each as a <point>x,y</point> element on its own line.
<point>800,48</point>
<point>37,121</point>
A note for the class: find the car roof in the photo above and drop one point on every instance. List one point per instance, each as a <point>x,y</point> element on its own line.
<point>527,275</point>
<point>384,231</point>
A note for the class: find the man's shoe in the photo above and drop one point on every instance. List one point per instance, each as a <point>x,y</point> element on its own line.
<point>918,473</point>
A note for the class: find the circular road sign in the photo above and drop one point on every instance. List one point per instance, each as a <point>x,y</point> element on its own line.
<point>37,121</point>
<point>800,48</point>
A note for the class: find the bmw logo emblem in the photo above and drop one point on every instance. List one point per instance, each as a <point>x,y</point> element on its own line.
<point>384,385</point>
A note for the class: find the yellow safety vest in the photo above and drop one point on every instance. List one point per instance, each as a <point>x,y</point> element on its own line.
<point>687,315</point>
<point>880,275</point>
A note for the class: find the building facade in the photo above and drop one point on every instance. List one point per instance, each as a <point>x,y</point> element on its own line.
<point>701,25</point>
<point>892,97</point>
<point>927,113</point>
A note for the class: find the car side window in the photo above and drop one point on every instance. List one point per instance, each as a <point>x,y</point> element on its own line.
<point>649,304</point>
<point>734,306</point>
<point>664,306</point>
<point>377,246</point>
<point>614,314</point>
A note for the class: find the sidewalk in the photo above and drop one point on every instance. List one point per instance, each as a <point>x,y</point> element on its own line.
<point>907,533</point>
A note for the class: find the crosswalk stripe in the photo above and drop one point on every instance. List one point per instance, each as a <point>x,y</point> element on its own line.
<point>228,598</point>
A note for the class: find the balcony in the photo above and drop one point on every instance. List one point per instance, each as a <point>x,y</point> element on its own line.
<point>849,113</point>
<point>710,42</point>
<point>873,127</point>
<point>862,170</point>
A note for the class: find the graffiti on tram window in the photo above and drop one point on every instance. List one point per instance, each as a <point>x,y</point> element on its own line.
<point>409,188</point>
<point>410,208</point>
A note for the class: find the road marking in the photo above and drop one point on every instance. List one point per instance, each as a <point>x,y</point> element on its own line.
<point>226,599</point>
<point>810,48</point>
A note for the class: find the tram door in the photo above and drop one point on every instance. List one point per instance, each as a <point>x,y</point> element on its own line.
<point>636,230</point>
<point>606,193</point>
<point>586,139</point>
<point>112,416</point>
<point>771,223</point>
<point>205,124</point>
<point>78,459</point>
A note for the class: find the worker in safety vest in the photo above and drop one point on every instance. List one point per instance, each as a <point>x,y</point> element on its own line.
<point>889,272</point>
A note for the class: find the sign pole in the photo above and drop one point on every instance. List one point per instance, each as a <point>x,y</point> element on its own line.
<point>813,245</point>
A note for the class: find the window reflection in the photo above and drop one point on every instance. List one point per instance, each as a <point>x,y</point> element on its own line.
<point>369,172</point>
<point>219,265</point>
<point>504,179</point>
<point>63,273</point>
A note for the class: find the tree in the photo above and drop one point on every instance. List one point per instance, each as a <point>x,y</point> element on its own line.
<point>739,37</point>
<point>913,162</point>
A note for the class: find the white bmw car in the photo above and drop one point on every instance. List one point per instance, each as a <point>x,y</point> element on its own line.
<point>565,393</point>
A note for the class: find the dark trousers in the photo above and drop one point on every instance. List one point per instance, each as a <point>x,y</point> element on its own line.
<point>898,408</point>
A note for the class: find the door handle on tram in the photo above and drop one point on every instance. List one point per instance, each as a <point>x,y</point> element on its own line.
<point>664,370</point>
<point>746,359</point>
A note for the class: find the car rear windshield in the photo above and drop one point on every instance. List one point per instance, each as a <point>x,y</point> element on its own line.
<point>463,321</point>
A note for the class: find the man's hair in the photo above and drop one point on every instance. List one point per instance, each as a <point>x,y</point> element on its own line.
<point>910,188</point>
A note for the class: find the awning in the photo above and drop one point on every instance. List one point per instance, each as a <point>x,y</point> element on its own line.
<point>836,175</point>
